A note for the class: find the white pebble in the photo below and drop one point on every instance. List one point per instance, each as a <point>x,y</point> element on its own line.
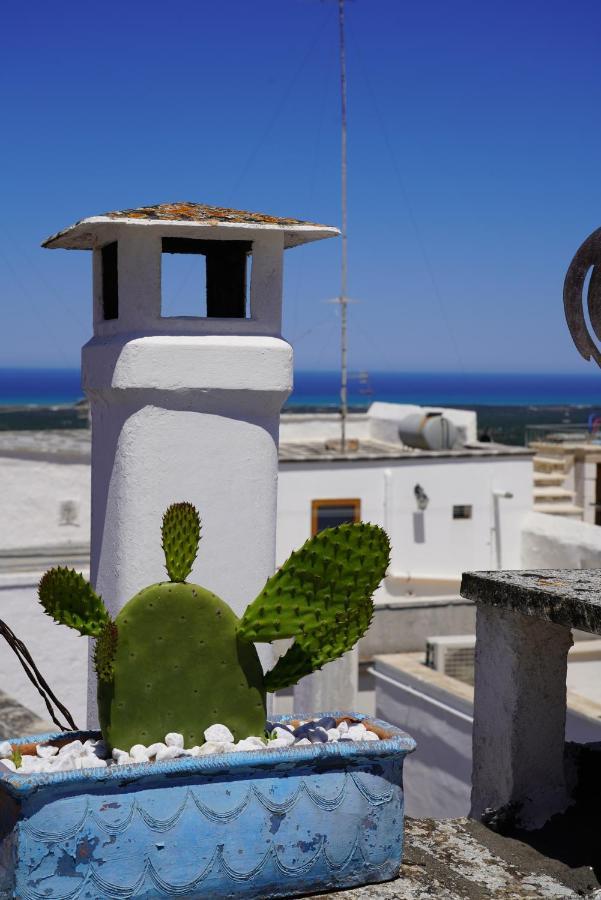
<point>168,753</point>
<point>250,743</point>
<point>123,760</point>
<point>31,763</point>
<point>193,751</point>
<point>342,727</point>
<point>138,749</point>
<point>62,763</point>
<point>72,747</point>
<point>92,762</point>
<point>333,734</point>
<point>154,748</point>
<point>46,751</point>
<point>6,750</point>
<point>256,741</point>
<point>370,736</point>
<point>356,732</point>
<point>174,739</point>
<point>302,742</point>
<point>219,733</point>
<point>139,753</point>
<point>214,747</point>
<point>284,735</point>
<point>9,764</point>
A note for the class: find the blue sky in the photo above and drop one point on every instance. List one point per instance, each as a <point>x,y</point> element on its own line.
<point>474,152</point>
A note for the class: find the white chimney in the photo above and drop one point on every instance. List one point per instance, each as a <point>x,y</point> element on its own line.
<point>185,408</point>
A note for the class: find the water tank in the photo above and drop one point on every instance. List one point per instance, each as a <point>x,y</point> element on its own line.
<point>428,431</point>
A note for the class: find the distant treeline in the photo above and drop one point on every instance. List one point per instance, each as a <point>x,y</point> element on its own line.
<point>503,424</point>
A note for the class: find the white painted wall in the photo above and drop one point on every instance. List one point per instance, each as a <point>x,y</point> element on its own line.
<point>31,492</point>
<point>555,542</point>
<point>438,776</point>
<point>386,491</point>
<point>303,427</point>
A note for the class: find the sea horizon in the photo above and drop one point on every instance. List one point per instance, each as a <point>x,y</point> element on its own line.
<point>34,387</point>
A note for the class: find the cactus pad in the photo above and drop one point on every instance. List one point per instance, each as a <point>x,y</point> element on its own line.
<point>71,600</point>
<point>105,651</point>
<point>181,534</point>
<point>322,596</point>
<point>180,666</point>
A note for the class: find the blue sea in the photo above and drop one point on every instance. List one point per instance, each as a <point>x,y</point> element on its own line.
<point>49,387</point>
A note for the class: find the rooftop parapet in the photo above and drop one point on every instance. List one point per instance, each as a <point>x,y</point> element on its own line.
<point>523,633</point>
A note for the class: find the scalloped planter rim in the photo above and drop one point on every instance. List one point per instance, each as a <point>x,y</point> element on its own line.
<point>251,824</point>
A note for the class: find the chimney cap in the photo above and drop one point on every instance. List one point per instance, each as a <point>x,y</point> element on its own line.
<point>84,235</point>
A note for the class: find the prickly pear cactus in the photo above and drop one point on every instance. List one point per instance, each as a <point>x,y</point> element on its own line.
<point>322,596</point>
<point>176,658</point>
<point>171,660</point>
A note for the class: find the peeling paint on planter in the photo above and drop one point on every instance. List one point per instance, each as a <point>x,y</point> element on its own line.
<point>249,824</point>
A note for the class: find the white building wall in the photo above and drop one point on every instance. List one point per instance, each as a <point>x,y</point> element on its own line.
<point>431,543</point>
<point>303,427</point>
<point>555,542</point>
<point>31,494</point>
<point>437,712</point>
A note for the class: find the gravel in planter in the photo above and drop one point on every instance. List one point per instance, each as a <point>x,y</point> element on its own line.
<point>89,754</point>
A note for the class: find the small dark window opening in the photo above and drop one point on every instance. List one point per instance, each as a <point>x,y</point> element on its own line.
<point>225,273</point>
<point>329,513</point>
<point>110,281</point>
<point>462,512</point>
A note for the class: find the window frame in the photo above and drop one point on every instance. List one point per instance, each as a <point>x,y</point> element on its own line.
<point>462,506</point>
<point>316,505</point>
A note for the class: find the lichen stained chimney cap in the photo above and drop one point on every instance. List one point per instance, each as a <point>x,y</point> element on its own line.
<point>88,233</point>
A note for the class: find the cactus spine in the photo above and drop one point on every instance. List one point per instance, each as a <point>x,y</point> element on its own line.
<point>176,658</point>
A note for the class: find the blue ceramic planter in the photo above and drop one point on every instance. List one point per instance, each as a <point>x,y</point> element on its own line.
<point>253,825</point>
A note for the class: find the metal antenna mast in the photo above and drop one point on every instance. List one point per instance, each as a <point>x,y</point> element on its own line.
<point>343,300</point>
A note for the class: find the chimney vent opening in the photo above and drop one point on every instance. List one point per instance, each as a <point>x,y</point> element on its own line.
<point>219,289</point>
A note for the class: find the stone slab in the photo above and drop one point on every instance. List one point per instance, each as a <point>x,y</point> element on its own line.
<point>569,597</point>
<point>458,859</point>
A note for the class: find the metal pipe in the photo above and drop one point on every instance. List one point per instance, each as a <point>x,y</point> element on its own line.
<point>343,266</point>
<point>497,495</point>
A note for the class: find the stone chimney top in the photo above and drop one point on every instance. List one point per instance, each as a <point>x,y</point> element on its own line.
<point>194,218</point>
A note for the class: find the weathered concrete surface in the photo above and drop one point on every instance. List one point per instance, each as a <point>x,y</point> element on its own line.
<point>519,716</point>
<point>16,720</point>
<point>333,687</point>
<point>566,597</point>
<point>458,859</point>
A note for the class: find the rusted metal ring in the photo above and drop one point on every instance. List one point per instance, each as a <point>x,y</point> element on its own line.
<point>588,256</point>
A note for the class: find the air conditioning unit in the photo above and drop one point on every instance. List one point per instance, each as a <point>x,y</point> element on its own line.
<point>453,655</point>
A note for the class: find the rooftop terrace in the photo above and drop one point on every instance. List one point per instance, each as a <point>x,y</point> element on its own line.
<point>73,445</point>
